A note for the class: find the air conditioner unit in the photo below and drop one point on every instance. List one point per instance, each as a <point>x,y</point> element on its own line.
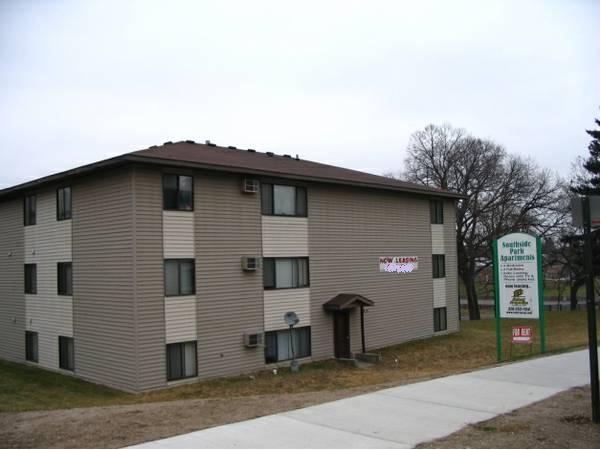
<point>250,263</point>
<point>250,186</point>
<point>253,340</point>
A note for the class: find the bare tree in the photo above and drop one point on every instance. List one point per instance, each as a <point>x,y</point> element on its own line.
<point>502,193</point>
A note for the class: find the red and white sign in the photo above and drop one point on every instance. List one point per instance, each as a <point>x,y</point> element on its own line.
<point>521,335</point>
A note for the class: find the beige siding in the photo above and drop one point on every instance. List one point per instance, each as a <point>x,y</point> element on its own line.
<point>149,292</point>
<point>178,234</point>
<point>103,274</point>
<point>440,292</point>
<point>450,238</point>
<point>285,236</point>
<point>12,299</point>
<point>438,239</point>
<point>348,230</point>
<point>180,319</point>
<point>47,243</point>
<point>230,302</point>
<point>279,301</point>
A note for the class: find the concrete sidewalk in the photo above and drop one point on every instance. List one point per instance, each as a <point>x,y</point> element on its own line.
<point>403,416</point>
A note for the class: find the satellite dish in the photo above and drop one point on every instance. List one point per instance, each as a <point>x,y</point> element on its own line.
<point>291,318</point>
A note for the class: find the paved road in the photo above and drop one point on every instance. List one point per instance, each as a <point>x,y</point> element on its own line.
<point>403,416</point>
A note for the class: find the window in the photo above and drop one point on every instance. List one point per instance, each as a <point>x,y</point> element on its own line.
<point>177,192</point>
<point>438,270</point>
<point>31,346</point>
<point>63,203</point>
<point>279,346</point>
<point>29,210</point>
<point>65,353</point>
<point>280,200</point>
<point>436,214</point>
<point>285,273</point>
<point>181,360</point>
<point>31,279</point>
<point>440,319</point>
<point>65,278</point>
<point>179,277</point>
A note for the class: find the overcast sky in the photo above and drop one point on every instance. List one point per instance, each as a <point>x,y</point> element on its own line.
<point>339,82</point>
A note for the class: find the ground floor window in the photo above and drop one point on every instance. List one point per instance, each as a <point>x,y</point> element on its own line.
<point>66,359</point>
<point>440,319</point>
<point>31,346</point>
<point>181,360</point>
<point>279,346</point>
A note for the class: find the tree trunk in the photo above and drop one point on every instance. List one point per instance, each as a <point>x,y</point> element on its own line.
<point>472,298</point>
<point>573,296</point>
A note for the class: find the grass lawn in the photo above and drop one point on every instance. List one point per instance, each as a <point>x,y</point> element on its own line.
<point>24,388</point>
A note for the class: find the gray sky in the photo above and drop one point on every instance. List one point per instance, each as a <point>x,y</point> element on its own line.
<point>339,82</point>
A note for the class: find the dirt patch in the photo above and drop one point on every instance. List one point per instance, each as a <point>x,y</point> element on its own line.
<point>119,426</point>
<point>561,421</point>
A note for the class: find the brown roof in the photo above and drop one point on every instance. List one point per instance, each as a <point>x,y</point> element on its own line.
<point>346,301</point>
<point>245,161</point>
<point>230,159</point>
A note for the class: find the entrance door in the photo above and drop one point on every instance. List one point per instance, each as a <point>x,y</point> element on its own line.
<point>342,334</point>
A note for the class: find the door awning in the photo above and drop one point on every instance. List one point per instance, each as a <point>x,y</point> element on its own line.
<point>346,301</point>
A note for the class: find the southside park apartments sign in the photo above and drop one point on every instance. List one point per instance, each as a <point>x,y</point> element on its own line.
<point>517,261</point>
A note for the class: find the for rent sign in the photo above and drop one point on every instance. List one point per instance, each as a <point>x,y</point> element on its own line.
<point>521,335</point>
<point>517,265</point>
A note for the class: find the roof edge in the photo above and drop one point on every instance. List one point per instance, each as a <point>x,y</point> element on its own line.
<point>78,171</point>
<point>243,170</point>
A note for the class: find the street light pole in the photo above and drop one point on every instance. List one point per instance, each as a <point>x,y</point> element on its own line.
<point>590,308</point>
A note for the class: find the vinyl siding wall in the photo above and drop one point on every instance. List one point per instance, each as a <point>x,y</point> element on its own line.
<point>148,275</point>
<point>230,301</point>
<point>279,301</point>
<point>285,236</point>
<point>47,243</point>
<point>103,279</point>
<point>180,319</point>
<point>12,298</point>
<point>348,230</point>
<point>450,245</point>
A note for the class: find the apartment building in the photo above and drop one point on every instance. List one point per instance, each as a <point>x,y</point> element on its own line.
<point>178,262</point>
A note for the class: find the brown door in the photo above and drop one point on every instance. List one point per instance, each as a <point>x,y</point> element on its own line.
<point>342,335</point>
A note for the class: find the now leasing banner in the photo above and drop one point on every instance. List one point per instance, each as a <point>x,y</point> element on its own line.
<point>398,264</point>
<point>517,265</point>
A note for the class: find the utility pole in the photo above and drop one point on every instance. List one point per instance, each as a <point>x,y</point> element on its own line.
<point>590,307</point>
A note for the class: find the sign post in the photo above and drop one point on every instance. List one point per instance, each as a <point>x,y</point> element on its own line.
<point>519,287</point>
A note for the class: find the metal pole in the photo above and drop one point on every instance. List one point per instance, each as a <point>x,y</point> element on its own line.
<point>590,308</point>
<point>362,330</point>
<point>541,294</point>
<point>495,262</point>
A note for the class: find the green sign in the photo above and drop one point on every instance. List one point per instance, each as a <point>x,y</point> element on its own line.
<point>517,261</point>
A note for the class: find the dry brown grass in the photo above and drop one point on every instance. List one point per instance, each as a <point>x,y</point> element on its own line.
<point>24,388</point>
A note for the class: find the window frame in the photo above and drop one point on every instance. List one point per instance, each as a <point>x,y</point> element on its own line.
<point>61,215</point>
<point>436,212</point>
<point>28,289</point>
<point>440,319</point>
<point>65,358</point>
<point>268,209</point>
<point>179,262</point>
<point>68,288</point>
<point>27,219</point>
<point>31,355</point>
<point>306,329</point>
<point>177,192</point>
<point>436,266</point>
<point>183,360</point>
<point>274,287</point>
